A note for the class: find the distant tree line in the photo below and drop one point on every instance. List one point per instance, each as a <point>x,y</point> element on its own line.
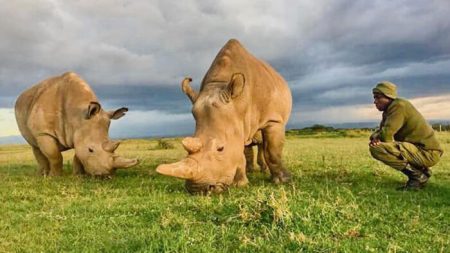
<point>441,127</point>
<point>321,131</point>
<point>352,132</point>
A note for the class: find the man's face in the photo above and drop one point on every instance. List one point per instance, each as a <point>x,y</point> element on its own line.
<point>381,101</point>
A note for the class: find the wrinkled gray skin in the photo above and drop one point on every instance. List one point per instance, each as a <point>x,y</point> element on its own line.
<point>239,96</point>
<point>62,113</point>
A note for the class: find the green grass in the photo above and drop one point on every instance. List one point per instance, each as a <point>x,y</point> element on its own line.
<point>340,200</point>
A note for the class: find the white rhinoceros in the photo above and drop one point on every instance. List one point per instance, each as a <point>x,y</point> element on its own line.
<point>62,113</point>
<point>239,96</point>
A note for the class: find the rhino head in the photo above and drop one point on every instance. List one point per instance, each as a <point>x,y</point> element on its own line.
<point>216,150</point>
<point>93,147</point>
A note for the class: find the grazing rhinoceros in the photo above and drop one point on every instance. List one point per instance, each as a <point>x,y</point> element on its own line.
<point>62,113</point>
<point>239,96</point>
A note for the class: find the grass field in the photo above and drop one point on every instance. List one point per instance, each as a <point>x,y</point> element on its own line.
<point>340,200</point>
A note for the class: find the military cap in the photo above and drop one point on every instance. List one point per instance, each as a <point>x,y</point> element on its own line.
<point>386,88</point>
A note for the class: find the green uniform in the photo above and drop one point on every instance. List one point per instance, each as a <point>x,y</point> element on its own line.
<point>406,138</point>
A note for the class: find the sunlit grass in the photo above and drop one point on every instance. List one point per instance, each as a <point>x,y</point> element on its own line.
<point>340,200</point>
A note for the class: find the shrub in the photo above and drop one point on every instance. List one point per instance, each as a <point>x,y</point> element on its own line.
<point>164,144</point>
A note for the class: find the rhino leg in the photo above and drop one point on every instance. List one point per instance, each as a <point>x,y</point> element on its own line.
<point>44,167</point>
<point>248,152</point>
<point>49,148</point>
<point>78,168</point>
<point>261,160</point>
<point>273,136</point>
<point>240,178</point>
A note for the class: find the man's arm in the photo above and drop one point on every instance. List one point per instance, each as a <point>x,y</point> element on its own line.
<point>394,120</point>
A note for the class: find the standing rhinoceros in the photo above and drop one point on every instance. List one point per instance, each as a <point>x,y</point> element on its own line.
<point>62,113</point>
<point>239,96</point>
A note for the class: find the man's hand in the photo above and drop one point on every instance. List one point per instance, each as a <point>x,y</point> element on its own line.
<point>374,142</point>
<point>375,136</point>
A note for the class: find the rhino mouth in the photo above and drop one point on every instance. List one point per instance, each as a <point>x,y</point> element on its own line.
<point>195,188</point>
<point>106,175</point>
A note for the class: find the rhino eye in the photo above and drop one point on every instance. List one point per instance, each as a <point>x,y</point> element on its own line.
<point>220,149</point>
<point>91,150</point>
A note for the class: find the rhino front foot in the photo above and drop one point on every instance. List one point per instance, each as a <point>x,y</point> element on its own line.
<point>78,168</point>
<point>282,177</point>
<point>240,179</point>
<point>241,182</point>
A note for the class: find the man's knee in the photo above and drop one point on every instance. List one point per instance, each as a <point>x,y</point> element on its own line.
<point>384,151</point>
<point>388,153</point>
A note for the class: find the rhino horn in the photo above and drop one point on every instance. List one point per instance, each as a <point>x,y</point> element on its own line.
<point>120,162</point>
<point>110,146</point>
<point>185,169</point>
<point>192,144</point>
<point>187,89</point>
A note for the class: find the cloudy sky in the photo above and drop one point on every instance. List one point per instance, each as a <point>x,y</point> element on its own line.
<point>135,53</point>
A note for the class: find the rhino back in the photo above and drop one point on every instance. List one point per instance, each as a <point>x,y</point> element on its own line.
<point>270,97</point>
<point>54,107</point>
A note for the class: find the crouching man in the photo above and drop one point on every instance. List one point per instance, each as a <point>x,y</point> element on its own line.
<point>404,140</point>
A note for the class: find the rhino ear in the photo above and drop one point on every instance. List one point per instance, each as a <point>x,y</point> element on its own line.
<point>94,108</point>
<point>187,89</point>
<point>236,85</point>
<point>117,114</point>
<point>110,146</point>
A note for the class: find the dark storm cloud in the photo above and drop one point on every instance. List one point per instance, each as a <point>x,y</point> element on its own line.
<point>357,43</point>
<point>169,98</point>
<point>135,53</point>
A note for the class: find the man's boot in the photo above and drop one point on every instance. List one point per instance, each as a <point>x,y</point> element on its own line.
<point>417,179</point>
<point>427,171</point>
